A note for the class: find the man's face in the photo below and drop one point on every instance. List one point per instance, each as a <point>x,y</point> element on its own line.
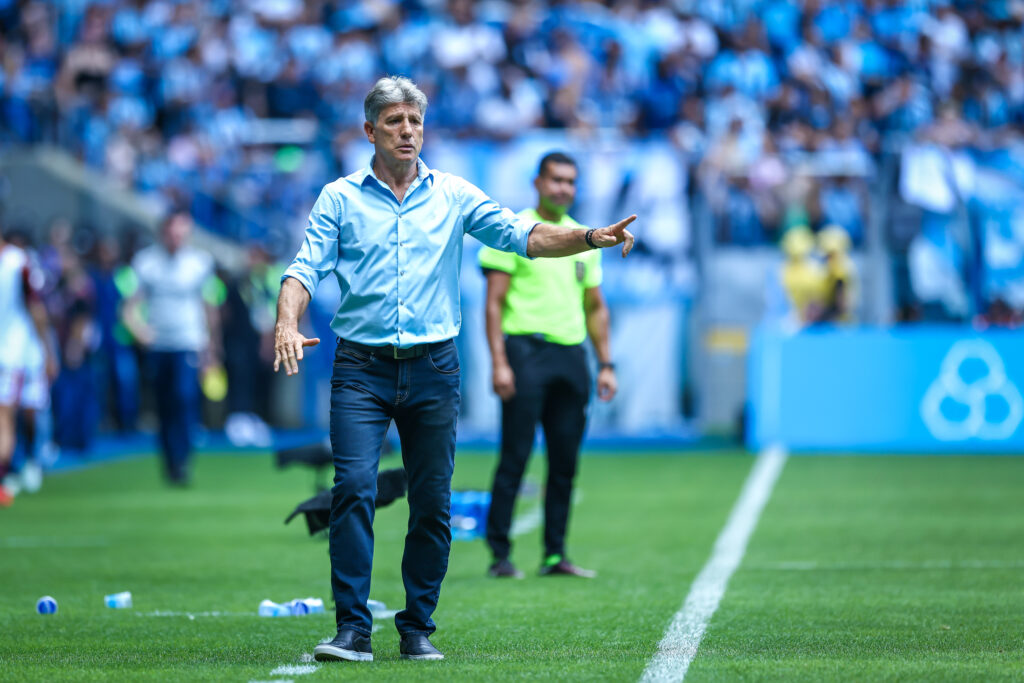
<point>398,133</point>
<point>556,186</point>
<point>176,232</point>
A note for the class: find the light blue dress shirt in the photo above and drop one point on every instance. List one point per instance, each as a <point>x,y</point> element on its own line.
<point>398,263</point>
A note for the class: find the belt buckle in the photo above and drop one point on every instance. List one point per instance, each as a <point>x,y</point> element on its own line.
<point>394,352</point>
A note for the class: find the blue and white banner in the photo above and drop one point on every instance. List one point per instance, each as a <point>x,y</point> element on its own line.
<point>903,389</point>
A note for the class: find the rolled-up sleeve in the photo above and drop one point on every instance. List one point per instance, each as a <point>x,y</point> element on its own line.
<point>318,255</point>
<point>489,222</point>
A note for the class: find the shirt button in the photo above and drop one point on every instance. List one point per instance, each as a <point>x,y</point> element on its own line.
<point>401,272</point>
<point>401,303</point>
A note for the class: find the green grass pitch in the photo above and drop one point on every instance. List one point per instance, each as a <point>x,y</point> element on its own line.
<point>861,568</point>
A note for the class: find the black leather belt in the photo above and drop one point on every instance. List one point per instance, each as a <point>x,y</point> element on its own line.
<point>392,352</point>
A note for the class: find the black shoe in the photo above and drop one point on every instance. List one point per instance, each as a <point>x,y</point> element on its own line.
<point>503,569</point>
<point>179,478</point>
<point>347,646</point>
<point>418,646</point>
<point>556,565</point>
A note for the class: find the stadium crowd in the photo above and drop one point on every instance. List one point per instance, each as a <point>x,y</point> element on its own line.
<point>196,101</point>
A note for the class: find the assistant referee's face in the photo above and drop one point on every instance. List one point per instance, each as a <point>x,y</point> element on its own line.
<point>556,184</point>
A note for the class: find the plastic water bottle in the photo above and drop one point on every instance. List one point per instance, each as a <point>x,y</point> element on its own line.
<point>315,605</point>
<point>269,608</point>
<point>297,607</point>
<point>121,600</point>
<point>46,605</point>
<point>469,514</point>
<point>462,523</point>
<point>302,606</point>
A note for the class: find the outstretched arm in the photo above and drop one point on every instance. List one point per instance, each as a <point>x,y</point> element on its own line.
<point>552,241</point>
<point>288,342</point>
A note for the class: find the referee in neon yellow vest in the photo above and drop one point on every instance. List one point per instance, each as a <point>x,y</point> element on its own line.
<point>538,314</point>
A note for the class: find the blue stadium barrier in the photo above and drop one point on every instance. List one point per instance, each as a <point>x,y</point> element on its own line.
<point>920,389</point>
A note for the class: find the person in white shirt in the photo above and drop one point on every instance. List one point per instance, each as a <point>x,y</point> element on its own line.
<point>176,331</point>
<point>23,330</point>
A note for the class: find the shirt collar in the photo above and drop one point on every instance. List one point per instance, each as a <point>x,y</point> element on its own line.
<point>422,171</point>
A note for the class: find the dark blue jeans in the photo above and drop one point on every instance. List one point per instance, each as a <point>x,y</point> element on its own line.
<point>176,383</point>
<point>422,396</point>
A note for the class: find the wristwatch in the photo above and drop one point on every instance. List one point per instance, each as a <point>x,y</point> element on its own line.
<point>607,365</point>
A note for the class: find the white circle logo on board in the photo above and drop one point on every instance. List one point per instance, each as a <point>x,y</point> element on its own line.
<point>950,385</point>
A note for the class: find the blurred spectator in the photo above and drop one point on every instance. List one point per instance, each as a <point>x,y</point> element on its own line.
<point>26,362</point>
<point>248,317</point>
<point>1001,314</point>
<point>840,291</point>
<point>802,277</point>
<point>73,307</point>
<point>179,331</point>
<point>117,364</point>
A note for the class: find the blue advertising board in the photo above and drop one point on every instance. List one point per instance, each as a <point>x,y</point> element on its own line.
<point>905,389</point>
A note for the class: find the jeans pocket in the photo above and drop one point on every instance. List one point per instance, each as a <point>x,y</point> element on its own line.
<point>444,359</point>
<point>347,357</point>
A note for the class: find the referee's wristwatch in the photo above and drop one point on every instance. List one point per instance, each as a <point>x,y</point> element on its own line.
<point>606,365</point>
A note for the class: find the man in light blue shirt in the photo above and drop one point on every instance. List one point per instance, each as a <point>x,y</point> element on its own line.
<point>392,235</point>
<point>398,262</point>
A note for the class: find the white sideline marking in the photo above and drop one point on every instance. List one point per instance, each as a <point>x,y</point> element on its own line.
<point>294,670</point>
<point>679,645</point>
<point>193,615</point>
<point>808,566</point>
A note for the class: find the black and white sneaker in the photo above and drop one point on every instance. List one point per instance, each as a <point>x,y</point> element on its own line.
<point>418,646</point>
<point>347,646</point>
<point>504,569</point>
<point>556,565</point>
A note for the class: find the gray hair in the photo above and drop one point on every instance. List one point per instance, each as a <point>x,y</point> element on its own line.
<point>392,90</point>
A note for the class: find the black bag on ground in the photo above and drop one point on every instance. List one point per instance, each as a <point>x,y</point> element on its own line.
<point>391,485</point>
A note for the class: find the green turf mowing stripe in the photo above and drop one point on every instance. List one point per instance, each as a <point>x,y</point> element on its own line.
<point>646,524</point>
<point>882,568</point>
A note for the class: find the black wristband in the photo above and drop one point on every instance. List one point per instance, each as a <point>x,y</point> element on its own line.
<point>590,242</point>
<point>606,366</point>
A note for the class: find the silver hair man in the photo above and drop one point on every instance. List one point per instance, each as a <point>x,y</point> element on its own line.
<point>392,235</point>
<point>392,90</point>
